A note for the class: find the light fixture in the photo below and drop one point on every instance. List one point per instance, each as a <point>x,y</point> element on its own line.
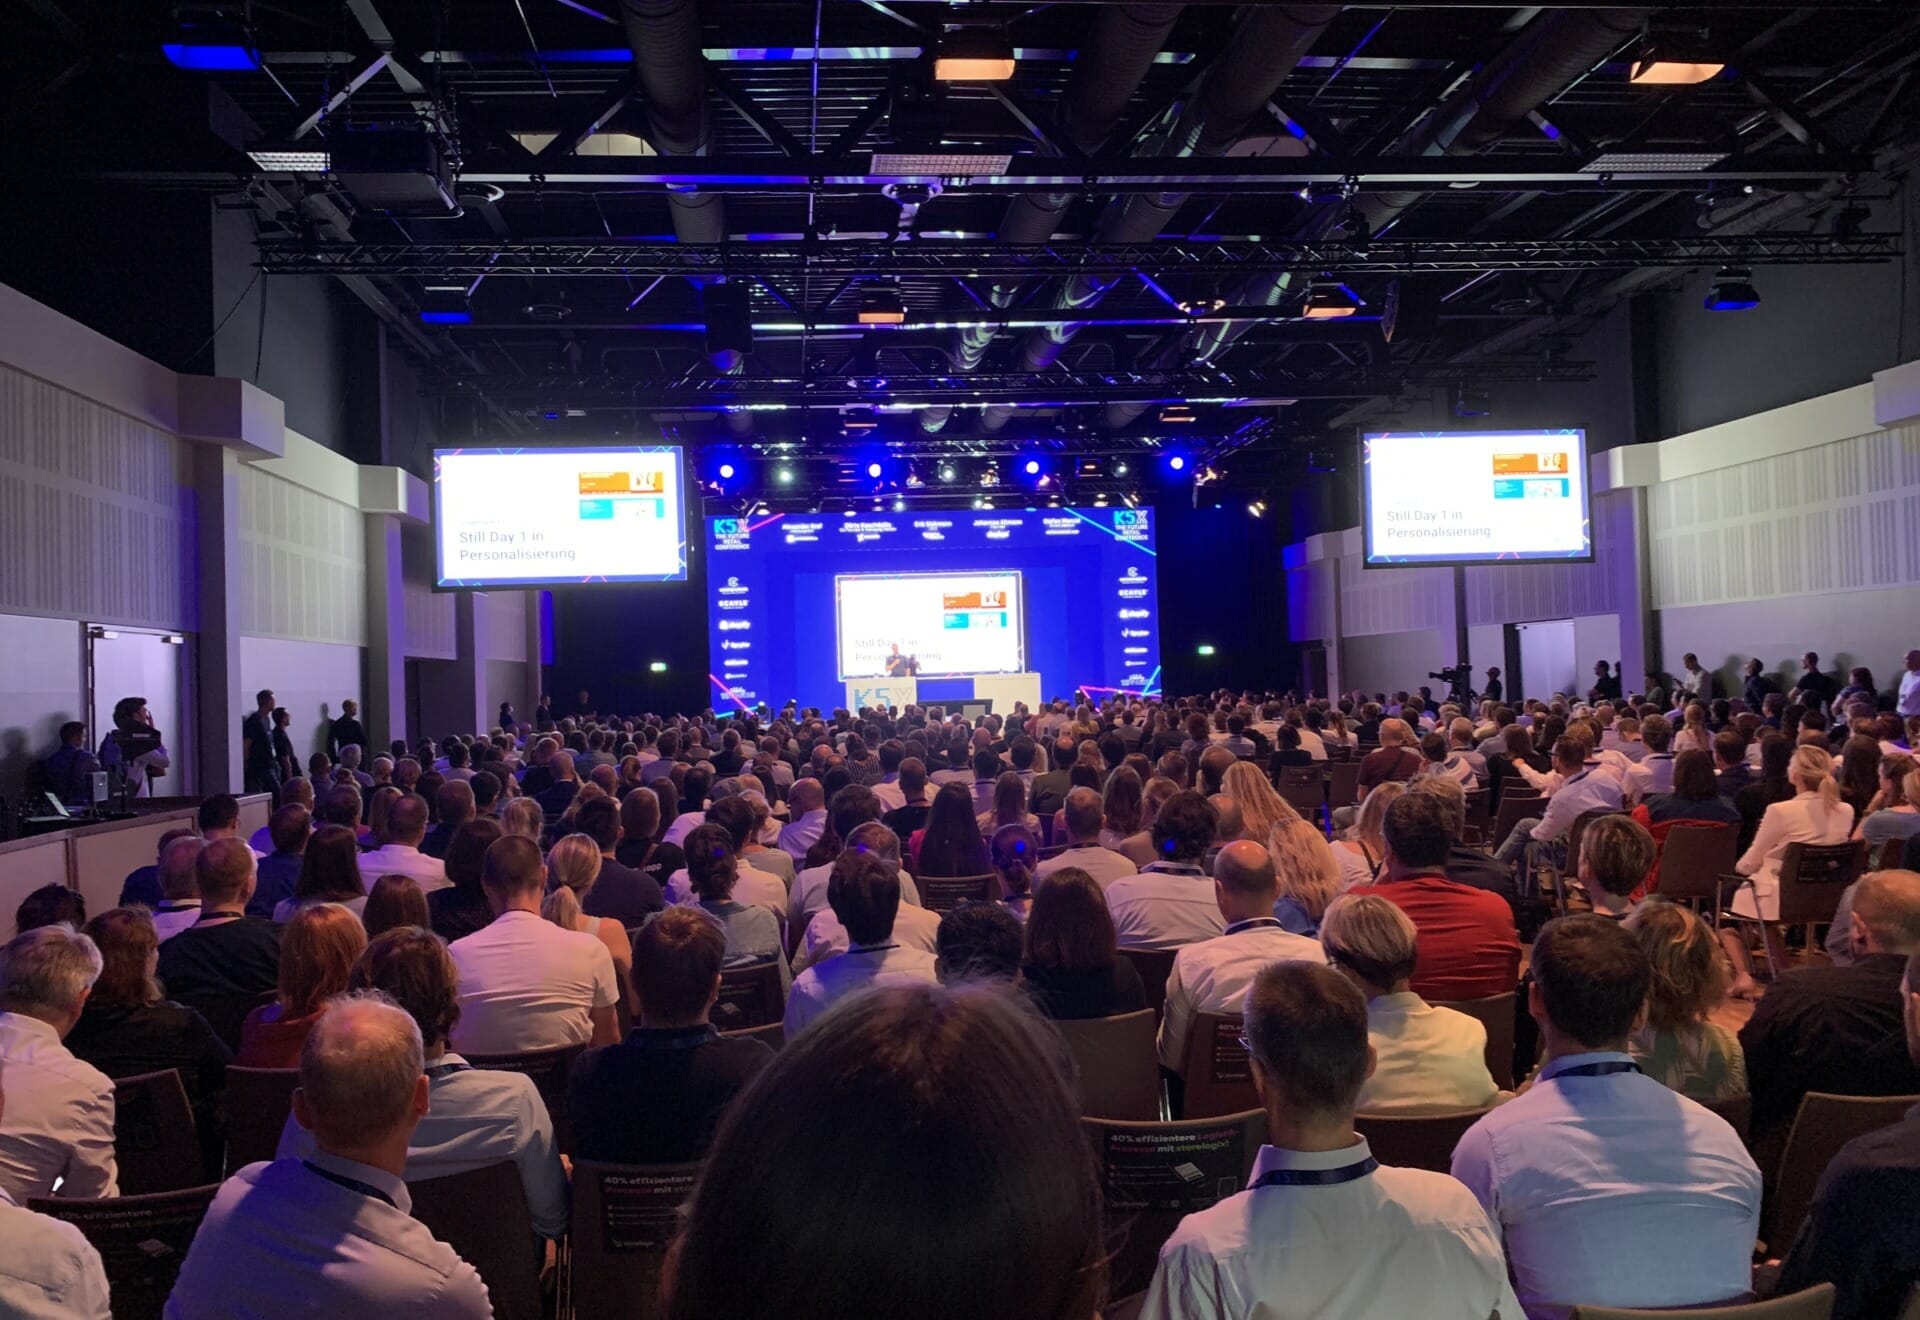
<point>1675,58</point>
<point>1178,463</point>
<point>446,304</point>
<point>657,667</point>
<point>1120,468</point>
<point>1177,414</point>
<point>875,470</point>
<point>882,306</point>
<point>783,474</point>
<point>1732,290</point>
<point>726,472</point>
<point>899,504</point>
<point>948,473</point>
<point>100,634</point>
<point>211,39</point>
<point>1258,508</point>
<point>1632,162</point>
<point>973,54</point>
<point>1672,73</point>
<point>173,639</point>
<point>1033,467</point>
<point>1203,649</point>
<point>1327,300</point>
<point>291,160</point>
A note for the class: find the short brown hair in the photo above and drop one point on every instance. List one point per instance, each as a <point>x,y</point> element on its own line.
<point>513,865</point>
<point>1069,926</point>
<point>864,892</point>
<point>1618,851</point>
<point>1593,977</point>
<point>222,870</point>
<point>289,828</point>
<point>126,939</point>
<point>413,967</point>
<point>676,958</point>
<point>394,900</point>
<point>317,954</point>
<point>1307,1028</point>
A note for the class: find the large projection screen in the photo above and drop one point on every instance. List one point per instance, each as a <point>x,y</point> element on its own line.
<point>549,517</point>
<point>937,623</point>
<point>1475,497</point>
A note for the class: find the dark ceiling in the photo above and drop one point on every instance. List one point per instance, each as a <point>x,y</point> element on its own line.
<point>1485,174</point>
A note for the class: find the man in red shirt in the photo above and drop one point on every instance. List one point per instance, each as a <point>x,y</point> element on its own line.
<point>1467,946</point>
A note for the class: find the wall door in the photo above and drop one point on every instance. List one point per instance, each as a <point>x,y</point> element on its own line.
<point>1547,660</point>
<point>144,664</point>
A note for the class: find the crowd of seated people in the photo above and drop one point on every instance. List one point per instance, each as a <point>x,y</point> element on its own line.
<point>394,929</point>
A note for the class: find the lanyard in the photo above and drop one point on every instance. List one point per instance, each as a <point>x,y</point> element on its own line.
<point>1603,1069</point>
<point>1251,923</point>
<point>351,1184</point>
<point>217,914</point>
<point>1315,1177</point>
<point>873,948</point>
<point>440,1070</point>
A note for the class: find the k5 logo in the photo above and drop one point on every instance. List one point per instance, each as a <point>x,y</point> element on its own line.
<point>729,527</point>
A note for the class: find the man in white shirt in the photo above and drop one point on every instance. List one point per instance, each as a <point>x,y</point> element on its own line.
<point>1324,1229</point>
<point>1214,975</point>
<point>807,804</point>
<point>51,1269</point>
<point>892,796</point>
<point>1083,817</point>
<point>180,884</point>
<point>1695,684</point>
<point>335,1230</point>
<point>1460,748</point>
<point>914,927</point>
<point>1584,786</point>
<point>526,984</point>
<point>1673,1221</point>
<point>59,1119</point>
<point>1653,772</point>
<point>479,1116</point>
<point>865,895</point>
<point>1170,902</point>
<point>1909,703</point>
<point>854,808</point>
<point>400,854</point>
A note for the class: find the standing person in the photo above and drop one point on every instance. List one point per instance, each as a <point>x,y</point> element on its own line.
<point>132,730</point>
<point>1325,1229</point>
<point>1756,685</point>
<point>286,761</point>
<point>260,767</point>
<point>335,1229</point>
<point>346,730</point>
<point>1908,704</point>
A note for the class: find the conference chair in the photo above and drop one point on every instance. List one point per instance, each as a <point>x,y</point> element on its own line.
<point>1693,858</point>
<point>155,1142</point>
<point>1517,802</point>
<point>623,1218</point>
<point>1812,878</point>
<point>1343,784</point>
<point>257,1102</point>
<point>483,1216</point>
<point>1116,1067</point>
<point>1567,869</point>
<point>1737,1110</point>
<point>1816,1303</point>
<point>142,1241</point>
<point>1495,1013</point>
<point>225,1013</point>
<point>549,1070</point>
<point>1216,1069</point>
<point>944,893</point>
<point>1888,855</point>
<point>1154,966</point>
<point>1910,1309</point>
<point>1152,1175</point>
<point>1824,1124</point>
<point>750,996</point>
<point>1479,820</point>
<point>1416,1141</point>
<point>1304,789</point>
<point>773,1035</point>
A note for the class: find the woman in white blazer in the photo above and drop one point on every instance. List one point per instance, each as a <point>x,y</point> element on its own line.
<point>1815,814</point>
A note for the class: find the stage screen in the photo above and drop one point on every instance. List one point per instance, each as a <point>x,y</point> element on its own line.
<point>798,603</point>
<point>1475,497</point>
<point>929,624</point>
<point>547,517</point>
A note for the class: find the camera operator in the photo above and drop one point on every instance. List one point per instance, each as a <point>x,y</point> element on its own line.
<point>133,752</point>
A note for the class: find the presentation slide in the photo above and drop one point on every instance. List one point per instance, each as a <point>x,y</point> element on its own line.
<point>930,624</point>
<point>547,517</point>
<point>1475,497</point>
<point>799,603</point>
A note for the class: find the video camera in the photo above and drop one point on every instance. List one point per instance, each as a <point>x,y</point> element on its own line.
<point>1460,679</point>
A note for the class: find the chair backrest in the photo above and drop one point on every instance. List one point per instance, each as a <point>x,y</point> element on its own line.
<point>1517,802</point>
<point>749,997</point>
<point>155,1143</point>
<point>1154,966</point>
<point>1815,1303</point>
<point>1303,788</point>
<point>225,1013</point>
<point>257,1102</point>
<point>1117,1070</point>
<point>1218,1071</point>
<point>1736,1109</point>
<point>944,893</point>
<point>1578,828</point>
<point>1479,817</point>
<point>624,1217</point>
<point>483,1216</point>
<point>1416,1141</point>
<point>1824,1124</point>
<point>1152,1175</point>
<point>1343,783</point>
<point>1692,860</point>
<point>1813,876</point>
<point>1887,857</point>
<point>142,1241</point>
<point>1495,1013</point>
<point>549,1070</point>
<point>773,1034</point>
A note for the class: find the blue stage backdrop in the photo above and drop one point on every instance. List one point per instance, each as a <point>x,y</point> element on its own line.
<point>793,609</point>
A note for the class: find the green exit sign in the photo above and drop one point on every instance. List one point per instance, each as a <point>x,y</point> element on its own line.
<point>1203,649</point>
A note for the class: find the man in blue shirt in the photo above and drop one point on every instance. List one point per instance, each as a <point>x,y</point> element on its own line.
<point>69,772</point>
<point>1609,1189</point>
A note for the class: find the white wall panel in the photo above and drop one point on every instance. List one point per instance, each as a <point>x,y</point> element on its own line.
<point>303,574</point>
<point>42,686</point>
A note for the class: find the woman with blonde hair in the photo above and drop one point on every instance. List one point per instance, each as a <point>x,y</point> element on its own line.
<point>1361,852</point>
<point>523,816</point>
<point>1694,735</point>
<point>1308,875</point>
<point>1815,814</point>
<point>1678,1046</point>
<point>573,865</point>
<point>317,954</point>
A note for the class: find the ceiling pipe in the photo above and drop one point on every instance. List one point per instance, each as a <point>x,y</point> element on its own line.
<point>1118,53</point>
<point>665,36</point>
<point>1266,45</point>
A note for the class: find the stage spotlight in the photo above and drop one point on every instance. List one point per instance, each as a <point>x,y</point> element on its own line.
<point>1258,508</point>
<point>973,54</point>
<point>899,504</point>
<point>876,470</point>
<point>949,473</point>
<point>783,475</point>
<point>1120,468</point>
<point>882,305</point>
<point>1327,300</point>
<point>1732,290</point>
<point>1033,467</point>
<point>212,38</point>
<point>445,304</point>
<point>724,471</point>
<point>1177,462</point>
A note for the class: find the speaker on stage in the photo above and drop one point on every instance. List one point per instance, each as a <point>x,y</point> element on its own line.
<point>729,318</point>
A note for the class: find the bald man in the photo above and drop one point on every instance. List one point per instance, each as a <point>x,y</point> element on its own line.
<point>1232,822</point>
<point>1214,975</point>
<point>335,1229</point>
<point>807,807</point>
